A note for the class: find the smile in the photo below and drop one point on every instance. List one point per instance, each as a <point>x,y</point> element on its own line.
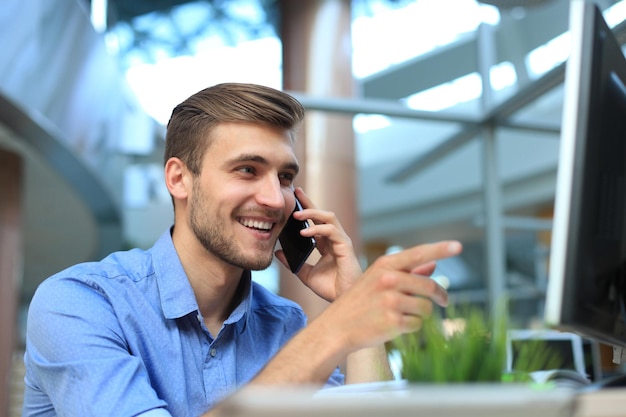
<point>257,224</point>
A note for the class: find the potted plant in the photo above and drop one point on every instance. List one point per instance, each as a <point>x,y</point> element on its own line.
<point>467,346</point>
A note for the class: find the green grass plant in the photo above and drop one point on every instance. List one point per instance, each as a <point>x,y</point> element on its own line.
<point>468,346</point>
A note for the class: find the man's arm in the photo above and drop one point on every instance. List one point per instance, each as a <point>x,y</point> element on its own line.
<point>383,295</point>
<point>388,300</point>
<point>368,365</point>
<point>372,364</point>
<point>77,356</point>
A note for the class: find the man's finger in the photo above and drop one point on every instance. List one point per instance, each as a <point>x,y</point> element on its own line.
<point>411,258</point>
<point>426,269</point>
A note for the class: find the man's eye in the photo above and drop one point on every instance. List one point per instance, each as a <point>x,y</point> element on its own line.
<point>246,170</point>
<point>286,179</point>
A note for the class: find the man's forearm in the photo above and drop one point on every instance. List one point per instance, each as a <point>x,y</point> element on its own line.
<point>309,358</point>
<point>288,367</point>
<point>368,365</point>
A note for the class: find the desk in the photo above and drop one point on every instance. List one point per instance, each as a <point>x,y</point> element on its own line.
<point>609,402</point>
<point>463,400</point>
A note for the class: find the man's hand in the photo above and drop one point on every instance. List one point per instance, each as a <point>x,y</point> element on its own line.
<point>391,298</point>
<point>338,267</point>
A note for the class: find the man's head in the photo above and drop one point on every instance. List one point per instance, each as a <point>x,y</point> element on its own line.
<point>230,166</point>
<point>188,130</point>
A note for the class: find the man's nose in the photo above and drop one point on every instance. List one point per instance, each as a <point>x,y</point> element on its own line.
<point>271,193</point>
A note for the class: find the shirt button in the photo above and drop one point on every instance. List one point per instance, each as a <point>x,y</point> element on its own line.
<point>199,318</point>
<point>213,352</point>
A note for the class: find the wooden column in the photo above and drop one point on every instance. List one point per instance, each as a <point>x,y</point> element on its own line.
<point>10,265</point>
<point>317,60</point>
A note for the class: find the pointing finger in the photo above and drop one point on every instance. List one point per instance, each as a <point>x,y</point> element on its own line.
<point>410,259</point>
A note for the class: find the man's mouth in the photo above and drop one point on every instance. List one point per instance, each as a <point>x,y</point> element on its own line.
<point>257,224</point>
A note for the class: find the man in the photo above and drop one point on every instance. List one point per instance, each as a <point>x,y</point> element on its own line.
<point>173,330</point>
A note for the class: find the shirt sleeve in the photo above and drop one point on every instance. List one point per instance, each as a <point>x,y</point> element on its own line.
<point>77,356</point>
<point>336,379</point>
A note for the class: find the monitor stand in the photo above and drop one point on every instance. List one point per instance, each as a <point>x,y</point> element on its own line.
<point>617,381</point>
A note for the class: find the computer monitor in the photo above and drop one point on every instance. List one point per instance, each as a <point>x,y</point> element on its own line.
<point>587,278</point>
<point>568,346</point>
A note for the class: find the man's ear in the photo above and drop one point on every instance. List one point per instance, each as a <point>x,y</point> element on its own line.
<point>176,178</point>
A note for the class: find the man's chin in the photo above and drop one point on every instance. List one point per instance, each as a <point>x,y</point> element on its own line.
<point>260,267</point>
<point>257,264</point>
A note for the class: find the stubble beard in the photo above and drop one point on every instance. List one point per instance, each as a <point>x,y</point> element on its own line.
<point>213,236</point>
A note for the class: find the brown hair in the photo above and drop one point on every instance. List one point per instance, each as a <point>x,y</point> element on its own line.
<point>189,127</point>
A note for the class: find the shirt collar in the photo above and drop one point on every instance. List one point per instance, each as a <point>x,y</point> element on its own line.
<point>177,296</point>
<point>242,311</point>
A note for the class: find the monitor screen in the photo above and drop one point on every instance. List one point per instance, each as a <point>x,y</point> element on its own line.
<point>587,278</point>
<point>567,347</point>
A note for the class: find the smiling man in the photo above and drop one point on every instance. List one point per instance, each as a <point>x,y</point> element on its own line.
<point>173,330</point>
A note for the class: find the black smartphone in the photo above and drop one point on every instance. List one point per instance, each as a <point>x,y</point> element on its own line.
<point>296,247</point>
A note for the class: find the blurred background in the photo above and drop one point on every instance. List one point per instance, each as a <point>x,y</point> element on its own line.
<point>428,120</point>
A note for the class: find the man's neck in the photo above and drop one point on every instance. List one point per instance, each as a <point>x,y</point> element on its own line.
<point>214,322</point>
<point>214,282</point>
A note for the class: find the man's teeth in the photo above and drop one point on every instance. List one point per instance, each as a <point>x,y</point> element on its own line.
<point>257,224</point>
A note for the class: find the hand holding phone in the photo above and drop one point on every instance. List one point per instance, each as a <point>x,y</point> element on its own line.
<point>296,247</point>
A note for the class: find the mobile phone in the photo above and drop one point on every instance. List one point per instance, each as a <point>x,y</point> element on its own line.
<point>296,247</point>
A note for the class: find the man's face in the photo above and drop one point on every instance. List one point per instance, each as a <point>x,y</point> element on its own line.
<point>243,195</point>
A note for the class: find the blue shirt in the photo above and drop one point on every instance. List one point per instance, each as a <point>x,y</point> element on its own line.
<point>124,336</point>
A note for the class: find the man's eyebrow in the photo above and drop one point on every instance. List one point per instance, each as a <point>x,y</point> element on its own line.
<point>291,166</point>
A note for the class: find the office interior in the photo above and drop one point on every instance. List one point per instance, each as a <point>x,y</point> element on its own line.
<point>428,120</point>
